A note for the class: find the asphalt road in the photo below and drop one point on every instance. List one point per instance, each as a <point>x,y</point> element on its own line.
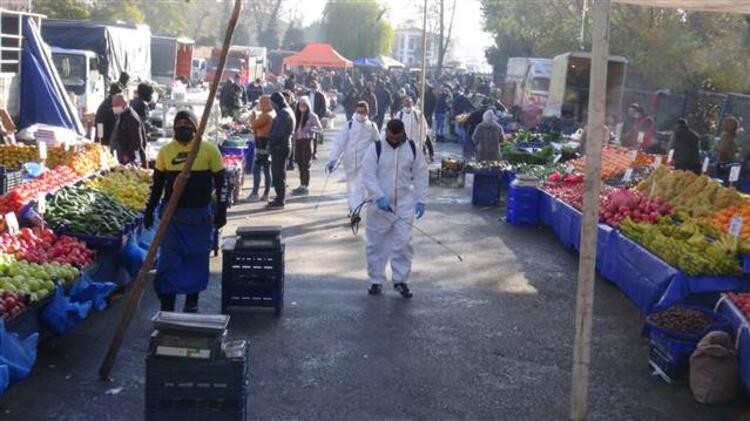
<point>489,338</point>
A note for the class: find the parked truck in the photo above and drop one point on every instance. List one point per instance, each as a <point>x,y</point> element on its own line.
<point>527,81</point>
<point>96,53</point>
<point>248,62</point>
<point>171,58</point>
<point>569,86</point>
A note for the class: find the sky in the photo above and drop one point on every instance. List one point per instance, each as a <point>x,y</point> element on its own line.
<point>470,39</point>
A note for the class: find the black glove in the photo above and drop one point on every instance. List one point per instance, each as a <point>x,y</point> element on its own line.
<point>220,219</point>
<point>148,219</point>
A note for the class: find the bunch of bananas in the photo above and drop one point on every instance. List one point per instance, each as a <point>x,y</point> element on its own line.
<point>128,185</point>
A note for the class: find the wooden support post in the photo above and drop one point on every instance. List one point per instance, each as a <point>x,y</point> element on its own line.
<point>179,185</point>
<point>586,265</point>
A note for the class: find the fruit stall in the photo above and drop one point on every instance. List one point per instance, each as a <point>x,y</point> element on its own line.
<point>70,234</point>
<point>672,241</point>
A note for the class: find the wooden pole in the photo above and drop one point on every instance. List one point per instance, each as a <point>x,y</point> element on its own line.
<point>586,274</point>
<point>179,185</point>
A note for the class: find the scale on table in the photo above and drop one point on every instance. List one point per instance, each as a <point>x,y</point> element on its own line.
<point>185,335</point>
<point>258,238</point>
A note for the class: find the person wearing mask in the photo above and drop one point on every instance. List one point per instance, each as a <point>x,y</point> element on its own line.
<point>372,102</point>
<point>128,137</point>
<point>307,125</point>
<point>686,143</point>
<point>105,116</point>
<point>384,98</point>
<point>350,145</point>
<point>123,81</point>
<point>279,145</point>
<point>398,101</point>
<point>261,126</point>
<point>254,91</point>
<point>442,108</point>
<point>487,137</point>
<point>183,266</point>
<point>642,129</point>
<point>395,179</point>
<point>140,104</point>
<point>415,126</point>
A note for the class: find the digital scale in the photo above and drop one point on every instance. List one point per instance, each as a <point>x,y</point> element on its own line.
<point>185,335</point>
<point>258,238</point>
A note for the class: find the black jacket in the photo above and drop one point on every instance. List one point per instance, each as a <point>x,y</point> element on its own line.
<point>686,150</point>
<point>321,106</point>
<point>130,136</point>
<point>280,137</point>
<point>384,100</point>
<point>254,92</point>
<point>106,117</point>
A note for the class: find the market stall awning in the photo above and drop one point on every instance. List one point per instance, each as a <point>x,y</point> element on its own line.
<point>379,62</point>
<point>727,6</point>
<point>390,62</point>
<point>318,54</point>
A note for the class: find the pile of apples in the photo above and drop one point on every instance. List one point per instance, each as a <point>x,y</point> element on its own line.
<point>742,301</point>
<point>621,204</point>
<point>11,304</point>
<point>41,245</point>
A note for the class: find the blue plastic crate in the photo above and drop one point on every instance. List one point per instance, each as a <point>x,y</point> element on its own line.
<point>252,278</point>
<point>184,388</point>
<point>486,189</point>
<point>232,151</point>
<point>523,206</point>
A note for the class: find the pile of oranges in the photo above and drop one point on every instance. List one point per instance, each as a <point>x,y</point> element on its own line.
<point>723,218</point>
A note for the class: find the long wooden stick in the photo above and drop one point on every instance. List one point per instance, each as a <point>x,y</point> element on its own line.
<point>586,274</point>
<point>179,185</point>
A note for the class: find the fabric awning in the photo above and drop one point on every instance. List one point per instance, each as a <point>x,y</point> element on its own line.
<point>726,6</point>
<point>318,54</point>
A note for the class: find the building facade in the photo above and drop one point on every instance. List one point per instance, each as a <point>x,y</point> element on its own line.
<point>407,46</point>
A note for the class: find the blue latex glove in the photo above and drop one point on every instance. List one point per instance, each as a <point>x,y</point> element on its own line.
<point>420,210</point>
<point>330,167</point>
<point>383,204</point>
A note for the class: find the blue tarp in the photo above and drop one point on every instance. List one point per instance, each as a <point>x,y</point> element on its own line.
<point>43,97</point>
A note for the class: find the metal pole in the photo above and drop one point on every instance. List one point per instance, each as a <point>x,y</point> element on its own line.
<point>179,185</point>
<point>586,273</point>
<point>424,72</point>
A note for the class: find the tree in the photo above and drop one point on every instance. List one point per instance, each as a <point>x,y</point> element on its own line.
<point>356,28</point>
<point>62,9</point>
<point>294,38</point>
<point>119,11</point>
<point>444,39</point>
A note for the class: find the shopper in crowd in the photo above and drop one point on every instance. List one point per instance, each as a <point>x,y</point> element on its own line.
<point>430,100</point>
<point>141,103</point>
<point>319,105</point>
<point>307,125</point>
<point>104,115</point>
<point>384,98</point>
<point>487,137</point>
<point>279,145</point>
<point>233,97</point>
<point>350,145</point>
<point>726,149</point>
<point>291,100</point>
<point>398,101</point>
<point>128,138</point>
<point>183,266</point>
<point>261,126</point>
<point>254,91</point>
<point>442,108</point>
<point>395,179</point>
<point>350,103</point>
<point>641,130</point>
<point>415,126</point>
<point>291,82</point>
<point>686,145</point>
<point>372,102</point>
<point>461,104</point>
<point>122,82</point>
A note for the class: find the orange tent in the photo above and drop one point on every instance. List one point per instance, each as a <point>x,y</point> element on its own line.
<point>318,54</point>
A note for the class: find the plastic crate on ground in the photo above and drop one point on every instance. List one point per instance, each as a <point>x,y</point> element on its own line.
<point>486,189</point>
<point>183,388</point>
<point>253,278</point>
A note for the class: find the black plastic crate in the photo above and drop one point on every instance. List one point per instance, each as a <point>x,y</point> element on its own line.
<point>180,388</point>
<point>253,278</point>
<point>9,179</point>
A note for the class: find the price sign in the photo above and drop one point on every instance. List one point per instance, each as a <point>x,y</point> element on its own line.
<point>734,174</point>
<point>670,156</point>
<point>657,161</point>
<point>735,226</point>
<point>633,155</point>
<point>628,175</point>
<point>103,161</point>
<point>66,146</point>
<point>114,154</point>
<point>553,202</point>
<point>42,150</point>
<point>557,158</point>
<point>653,189</point>
<point>641,135</point>
<point>705,166</point>
<point>92,133</point>
<point>12,223</point>
<point>99,130</point>
<point>41,203</point>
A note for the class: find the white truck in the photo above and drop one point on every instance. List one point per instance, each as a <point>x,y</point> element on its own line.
<point>527,81</point>
<point>79,71</point>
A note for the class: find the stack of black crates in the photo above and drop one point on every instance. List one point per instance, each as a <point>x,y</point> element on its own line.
<point>253,269</point>
<point>193,372</point>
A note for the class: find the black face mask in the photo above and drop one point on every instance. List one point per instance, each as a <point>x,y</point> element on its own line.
<point>184,134</point>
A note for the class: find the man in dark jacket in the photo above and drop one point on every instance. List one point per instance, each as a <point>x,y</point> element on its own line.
<point>372,101</point>
<point>254,91</point>
<point>233,97</point>
<point>128,136</point>
<point>429,104</point>
<point>384,99</point>
<point>442,108</point>
<point>461,104</point>
<point>105,116</point>
<point>279,145</point>
<point>686,148</point>
<point>140,104</point>
<point>398,101</point>
<point>318,101</point>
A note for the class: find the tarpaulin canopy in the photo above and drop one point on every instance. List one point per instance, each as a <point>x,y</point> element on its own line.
<point>379,62</point>
<point>43,96</point>
<point>728,6</point>
<point>317,54</point>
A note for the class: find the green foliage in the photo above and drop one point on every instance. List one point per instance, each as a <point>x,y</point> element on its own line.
<point>62,9</point>
<point>357,28</point>
<point>667,48</point>
<point>119,10</point>
<point>294,38</point>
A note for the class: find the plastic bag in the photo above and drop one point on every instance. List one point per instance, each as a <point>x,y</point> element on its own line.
<point>61,315</point>
<point>132,257</point>
<point>4,378</point>
<point>16,354</point>
<point>714,378</point>
<point>89,291</point>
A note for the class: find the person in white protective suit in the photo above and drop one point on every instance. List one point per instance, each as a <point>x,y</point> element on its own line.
<point>352,142</point>
<point>394,175</point>
<point>415,126</point>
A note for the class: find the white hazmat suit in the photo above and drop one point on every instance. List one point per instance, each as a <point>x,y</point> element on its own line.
<point>415,125</point>
<point>400,174</point>
<point>352,142</point>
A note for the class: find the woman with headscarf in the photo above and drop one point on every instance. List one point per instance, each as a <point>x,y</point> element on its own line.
<point>307,124</point>
<point>685,144</point>
<point>487,137</point>
<point>726,149</point>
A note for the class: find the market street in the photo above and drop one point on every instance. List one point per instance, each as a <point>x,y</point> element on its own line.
<point>489,338</point>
